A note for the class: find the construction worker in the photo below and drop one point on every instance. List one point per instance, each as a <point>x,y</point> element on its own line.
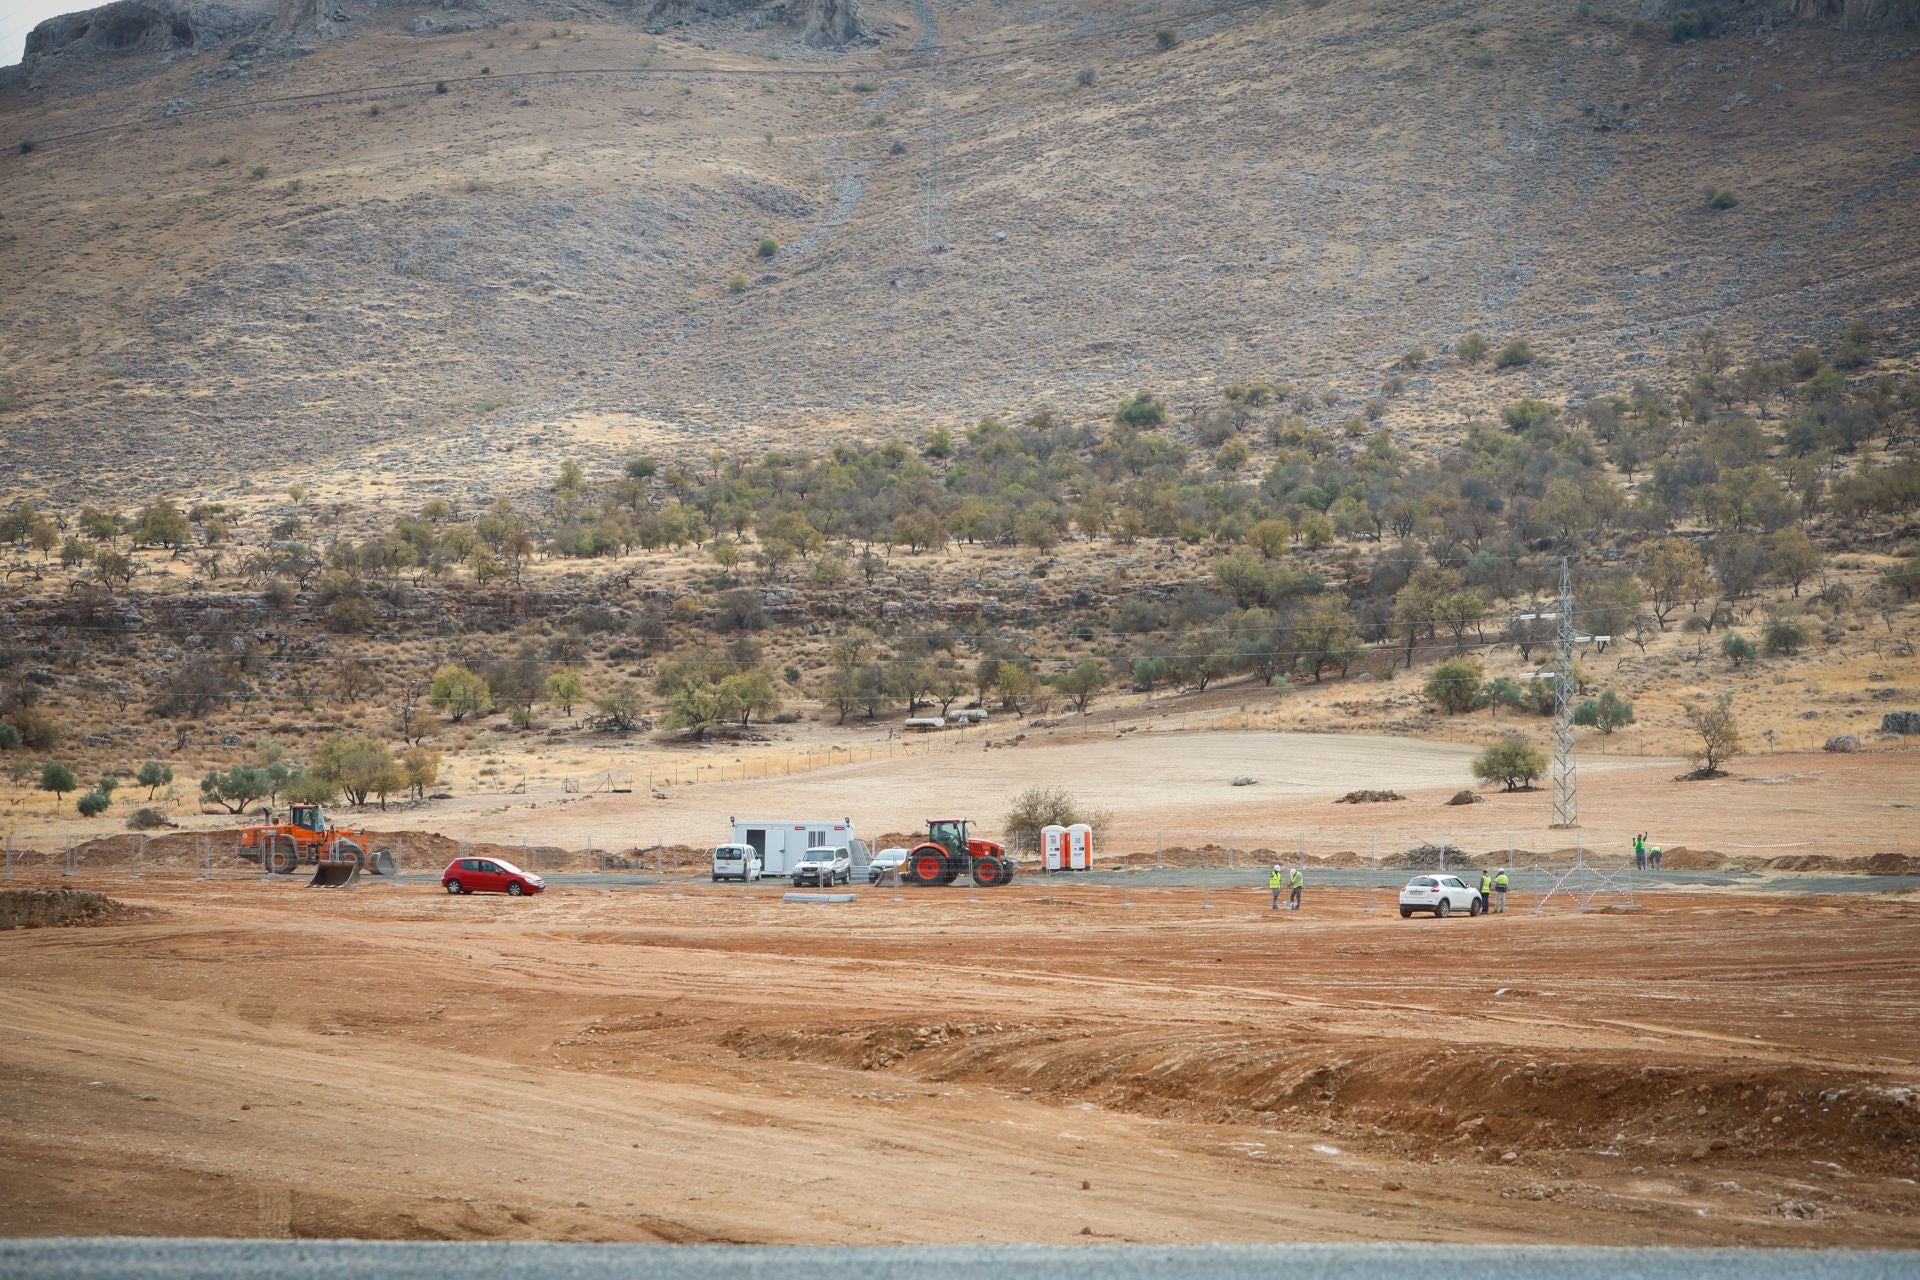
<point>1500,890</point>
<point>1486,890</point>
<point>1653,857</point>
<point>1640,851</point>
<point>1294,882</point>
<point>1276,882</point>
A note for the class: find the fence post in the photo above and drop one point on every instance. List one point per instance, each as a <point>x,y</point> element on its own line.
<point>1373,872</point>
<point>8,873</point>
<point>141,866</point>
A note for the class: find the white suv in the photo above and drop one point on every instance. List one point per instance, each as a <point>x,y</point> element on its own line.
<point>823,866</point>
<point>1441,894</point>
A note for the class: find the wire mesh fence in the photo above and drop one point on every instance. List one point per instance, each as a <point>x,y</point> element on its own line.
<point>1582,869</point>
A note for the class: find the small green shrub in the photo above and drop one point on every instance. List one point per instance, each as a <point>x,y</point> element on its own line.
<point>866,86</point>
<point>1721,198</point>
<point>26,145</point>
<point>1166,38</point>
<point>1472,349</point>
<point>439,86</point>
<point>1687,24</point>
<point>768,247</point>
<point>736,284</point>
<point>1514,355</point>
<point>258,171</point>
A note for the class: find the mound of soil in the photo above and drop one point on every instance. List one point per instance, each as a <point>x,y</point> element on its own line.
<point>39,908</point>
<point>1891,864</point>
<point>1681,858</point>
<point>1369,797</point>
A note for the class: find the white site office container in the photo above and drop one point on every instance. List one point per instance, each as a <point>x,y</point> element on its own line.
<point>1080,847</point>
<point>1053,848</point>
<point>780,843</point>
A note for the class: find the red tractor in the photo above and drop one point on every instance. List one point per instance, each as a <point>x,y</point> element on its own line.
<point>337,856</point>
<point>948,853</point>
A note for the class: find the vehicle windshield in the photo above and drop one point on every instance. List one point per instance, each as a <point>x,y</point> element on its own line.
<point>822,855</point>
<point>508,867</point>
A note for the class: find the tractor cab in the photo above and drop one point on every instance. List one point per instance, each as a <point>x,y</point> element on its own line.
<point>950,834</point>
<point>307,817</point>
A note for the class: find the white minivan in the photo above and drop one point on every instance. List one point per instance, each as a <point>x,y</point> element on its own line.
<point>735,862</point>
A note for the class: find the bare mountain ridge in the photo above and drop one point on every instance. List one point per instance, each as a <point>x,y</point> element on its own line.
<point>543,253</point>
<point>75,40</point>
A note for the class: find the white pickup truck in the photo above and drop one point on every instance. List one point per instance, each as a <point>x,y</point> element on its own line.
<point>825,866</point>
<point>735,862</point>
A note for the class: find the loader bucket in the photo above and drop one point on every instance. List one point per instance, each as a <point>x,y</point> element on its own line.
<point>381,864</point>
<point>334,875</point>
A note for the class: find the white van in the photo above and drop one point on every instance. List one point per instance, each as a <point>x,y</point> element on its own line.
<point>735,862</point>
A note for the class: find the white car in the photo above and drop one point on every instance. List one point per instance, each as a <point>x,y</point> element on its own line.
<point>1441,894</point>
<point>884,861</point>
<point>735,862</point>
<point>823,865</point>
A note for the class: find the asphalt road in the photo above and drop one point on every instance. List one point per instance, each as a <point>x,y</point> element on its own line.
<point>119,1259</point>
<point>1525,885</point>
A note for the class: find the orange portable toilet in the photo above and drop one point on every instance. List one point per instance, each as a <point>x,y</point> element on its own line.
<point>1080,847</point>
<point>1053,848</point>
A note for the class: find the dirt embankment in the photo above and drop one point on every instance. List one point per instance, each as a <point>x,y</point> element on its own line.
<point>1474,1101</point>
<point>39,908</point>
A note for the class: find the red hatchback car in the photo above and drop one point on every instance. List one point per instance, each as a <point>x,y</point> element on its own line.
<point>489,875</point>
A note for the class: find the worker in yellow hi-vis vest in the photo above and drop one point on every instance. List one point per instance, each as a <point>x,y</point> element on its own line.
<point>1294,883</point>
<point>1276,882</point>
<point>1500,889</point>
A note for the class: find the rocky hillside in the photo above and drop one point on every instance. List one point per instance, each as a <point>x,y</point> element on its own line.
<point>373,245</point>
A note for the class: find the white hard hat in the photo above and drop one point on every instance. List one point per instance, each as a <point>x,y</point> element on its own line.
<point>1276,866</point>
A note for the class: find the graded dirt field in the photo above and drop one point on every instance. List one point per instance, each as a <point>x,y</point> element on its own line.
<point>1049,1062</point>
<point>1175,789</point>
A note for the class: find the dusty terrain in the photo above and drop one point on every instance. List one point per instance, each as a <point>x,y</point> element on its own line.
<point>1047,1065</point>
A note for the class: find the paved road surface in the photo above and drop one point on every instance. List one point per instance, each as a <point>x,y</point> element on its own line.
<point>123,1259</point>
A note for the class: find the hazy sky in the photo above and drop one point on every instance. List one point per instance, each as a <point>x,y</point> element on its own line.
<point>17,17</point>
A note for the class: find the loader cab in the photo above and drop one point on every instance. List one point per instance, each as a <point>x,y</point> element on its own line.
<point>308,817</point>
<point>950,834</point>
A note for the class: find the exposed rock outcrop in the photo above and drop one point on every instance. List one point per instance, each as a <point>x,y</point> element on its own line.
<point>821,23</point>
<point>142,26</point>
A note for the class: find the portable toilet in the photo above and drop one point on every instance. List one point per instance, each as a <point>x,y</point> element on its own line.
<point>1080,847</point>
<point>1053,847</point>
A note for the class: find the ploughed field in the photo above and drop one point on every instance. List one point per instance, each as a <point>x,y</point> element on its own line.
<point>1047,1062</point>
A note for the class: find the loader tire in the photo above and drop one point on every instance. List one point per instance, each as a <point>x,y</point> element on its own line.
<point>348,851</point>
<point>280,856</point>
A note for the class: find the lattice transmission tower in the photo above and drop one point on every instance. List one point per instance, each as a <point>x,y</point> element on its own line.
<point>1566,773</point>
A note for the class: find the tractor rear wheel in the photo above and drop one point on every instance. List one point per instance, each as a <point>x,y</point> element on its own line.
<point>928,866</point>
<point>280,855</point>
<point>988,872</point>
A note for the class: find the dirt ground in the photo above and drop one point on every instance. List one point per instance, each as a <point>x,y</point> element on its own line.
<point>1041,1063</point>
<point>1176,788</point>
